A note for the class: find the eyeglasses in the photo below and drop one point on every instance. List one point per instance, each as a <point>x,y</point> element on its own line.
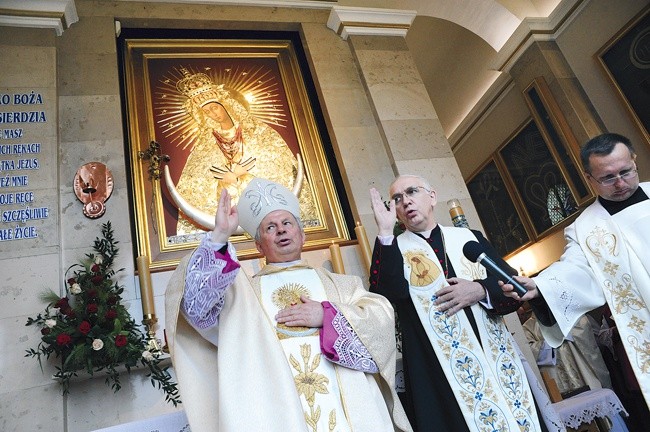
<point>409,192</point>
<point>609,181</point>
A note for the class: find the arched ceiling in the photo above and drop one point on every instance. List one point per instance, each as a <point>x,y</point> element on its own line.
<point>454,44</point>
<point>453,64</point>
<point>493,21</point>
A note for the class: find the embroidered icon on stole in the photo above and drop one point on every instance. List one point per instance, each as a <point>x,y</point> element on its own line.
<point>423,270</point>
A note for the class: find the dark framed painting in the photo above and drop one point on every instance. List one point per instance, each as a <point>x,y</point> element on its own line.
<point>205,115</point>
<point>536,175</point>
<point>561,143</point>
<point>499,216</point>
<point>626,62</point>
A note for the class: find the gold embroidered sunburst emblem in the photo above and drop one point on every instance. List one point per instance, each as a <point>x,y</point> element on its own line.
<point>288,295</point>
<point>423,270</point>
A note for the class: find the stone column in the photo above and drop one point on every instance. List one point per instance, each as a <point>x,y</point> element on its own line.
<point>412,135</point>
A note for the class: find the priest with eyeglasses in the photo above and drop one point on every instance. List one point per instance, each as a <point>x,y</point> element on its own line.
<point>462,371</point>
<point>605,261</point>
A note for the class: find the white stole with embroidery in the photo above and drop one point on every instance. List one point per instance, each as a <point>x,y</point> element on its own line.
<point>616,247</point>
<point>315,378</point>
<point>489,383</point>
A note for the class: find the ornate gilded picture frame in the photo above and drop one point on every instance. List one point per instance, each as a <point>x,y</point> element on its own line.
<point>210,114</point>
<point>626,62</point>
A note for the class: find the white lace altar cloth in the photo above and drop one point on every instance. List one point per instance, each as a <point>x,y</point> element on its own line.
<point>585,407</point>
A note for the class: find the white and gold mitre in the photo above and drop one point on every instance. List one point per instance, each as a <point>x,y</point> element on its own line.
<point>260,198</point>
<point>200,89</point>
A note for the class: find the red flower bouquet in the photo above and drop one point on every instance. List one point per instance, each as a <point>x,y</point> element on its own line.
<point>89,329</point>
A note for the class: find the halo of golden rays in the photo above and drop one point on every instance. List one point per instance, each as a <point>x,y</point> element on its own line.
<point>288,295</point>
<point>255,88</point>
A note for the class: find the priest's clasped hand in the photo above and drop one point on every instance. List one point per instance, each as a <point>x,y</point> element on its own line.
<point>308,313</point>
<point>458,295</point>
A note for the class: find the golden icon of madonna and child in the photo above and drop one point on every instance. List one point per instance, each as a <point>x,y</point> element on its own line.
<point>230,147</point>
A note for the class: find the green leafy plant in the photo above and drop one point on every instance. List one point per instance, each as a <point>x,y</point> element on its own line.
<point>90,330</point>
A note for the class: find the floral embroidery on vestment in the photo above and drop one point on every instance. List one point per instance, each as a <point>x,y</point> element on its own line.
<point>309,383</point>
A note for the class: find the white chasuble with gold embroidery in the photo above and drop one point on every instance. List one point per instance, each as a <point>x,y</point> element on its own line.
<point>315,378</point>
<point>616,250</point>
<point>489,382</point>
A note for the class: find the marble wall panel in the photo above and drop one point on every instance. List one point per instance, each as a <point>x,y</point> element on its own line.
<point>378,43</point>
<point>88,118</point>
<point>366,163</point>
<point>159,282</point>
<point>93,405</point>
<point>39,175</point>
<point>20,372</point>
<point>88,74</point>
<point>24,279</point>
<point>358,143</point>
<point>90,35</point>
<point>39,61</point>
<point>27,37</point>
<point>363,153</point>
<point>348,107</point>
<point>395,67</point>
<point>331,57</point>
<point>32,409</point>
<point>416,139</point>
<point>402,101</point>
<point>40,172</point>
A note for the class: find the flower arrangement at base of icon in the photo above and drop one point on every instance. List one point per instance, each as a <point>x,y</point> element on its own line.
<point>90,330</point>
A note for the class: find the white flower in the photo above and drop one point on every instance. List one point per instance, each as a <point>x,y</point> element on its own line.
<point>147,355</point>
<point>75,288</point>
<point>98,344</point>
<point>99,259</point>
<point>50,323</point>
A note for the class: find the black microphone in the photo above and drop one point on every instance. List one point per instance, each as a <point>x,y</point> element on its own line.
<point>474,252</point>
